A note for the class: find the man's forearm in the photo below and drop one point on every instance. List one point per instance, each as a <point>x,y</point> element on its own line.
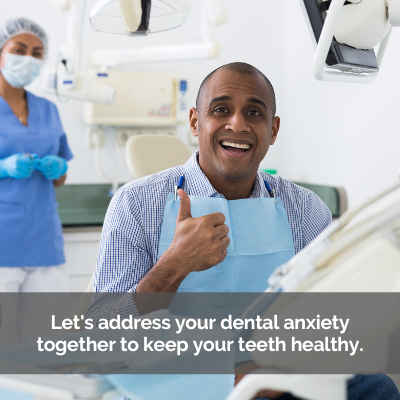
<point>165,276</point>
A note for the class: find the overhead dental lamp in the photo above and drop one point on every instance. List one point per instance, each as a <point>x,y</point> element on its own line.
<point>138,17</point>
<point>120,17</point>
<point>345,34</point>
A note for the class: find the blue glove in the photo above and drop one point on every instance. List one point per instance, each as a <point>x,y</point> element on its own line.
<point>18,166</point>
<point>52,167</point>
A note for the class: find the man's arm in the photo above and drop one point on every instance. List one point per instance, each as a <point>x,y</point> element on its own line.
<point>198,244</point>
<point>123,258</point>
<point>125,265</point>
<point>316,217</point>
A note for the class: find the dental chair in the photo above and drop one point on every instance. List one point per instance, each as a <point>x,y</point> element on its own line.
<point>148,154</point>
<point>353,246</point>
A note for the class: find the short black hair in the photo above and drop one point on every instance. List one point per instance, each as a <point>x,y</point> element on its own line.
<point>240,68</point>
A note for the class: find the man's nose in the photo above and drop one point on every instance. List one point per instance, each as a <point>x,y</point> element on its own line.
<point>237,123</point>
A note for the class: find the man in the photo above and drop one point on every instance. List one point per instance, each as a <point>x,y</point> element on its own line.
<point>236,105</point>
<point>235,123</point>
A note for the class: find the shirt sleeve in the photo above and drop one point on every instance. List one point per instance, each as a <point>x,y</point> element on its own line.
<point>316,217</point>
<point>65,151</point>
<point>123,259</point>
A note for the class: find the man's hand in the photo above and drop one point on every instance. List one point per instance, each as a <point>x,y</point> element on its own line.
<point>199,243</point>
<point>269,394</point>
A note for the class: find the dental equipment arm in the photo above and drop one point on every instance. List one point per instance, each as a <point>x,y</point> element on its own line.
<point>213,12</point>
<point>312,387</point>
<point>331,241</point>
<point>68,80</point>
<point>328,244</point>
<point>345,34</point>
<point>113,179</point>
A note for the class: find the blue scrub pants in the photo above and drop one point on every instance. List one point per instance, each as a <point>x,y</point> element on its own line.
<point>364,387</point>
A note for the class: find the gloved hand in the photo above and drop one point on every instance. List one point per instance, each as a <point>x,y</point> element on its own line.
<point>52,167</point>
<point>18,166</point>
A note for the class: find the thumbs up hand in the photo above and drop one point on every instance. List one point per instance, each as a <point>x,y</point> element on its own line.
<point>199,243</point>
<point>185,210</point>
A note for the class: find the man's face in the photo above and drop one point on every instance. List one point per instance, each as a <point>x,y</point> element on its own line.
<point>234,124</point>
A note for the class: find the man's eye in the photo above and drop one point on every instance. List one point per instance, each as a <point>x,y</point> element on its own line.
<point>220,110</point>
<point>254,112</point>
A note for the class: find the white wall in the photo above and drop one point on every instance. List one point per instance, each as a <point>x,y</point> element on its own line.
<point>253,33</point>
<point>337,133</point>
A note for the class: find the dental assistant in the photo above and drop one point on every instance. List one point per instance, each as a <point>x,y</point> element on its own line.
<point>33,161</point>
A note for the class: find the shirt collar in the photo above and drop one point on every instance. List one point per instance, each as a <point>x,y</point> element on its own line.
<point>197,184</point>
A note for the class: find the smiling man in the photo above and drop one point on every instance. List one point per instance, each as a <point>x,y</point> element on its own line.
<point>207,242</point>
<point>235,123</point>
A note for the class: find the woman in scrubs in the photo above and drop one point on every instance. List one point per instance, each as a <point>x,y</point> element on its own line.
<point>33,161</point>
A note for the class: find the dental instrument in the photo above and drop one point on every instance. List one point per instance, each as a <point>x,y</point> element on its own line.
<point>376,223</point>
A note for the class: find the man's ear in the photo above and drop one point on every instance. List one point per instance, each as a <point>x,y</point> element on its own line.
<point>194,121</point>
<point>276,123</point>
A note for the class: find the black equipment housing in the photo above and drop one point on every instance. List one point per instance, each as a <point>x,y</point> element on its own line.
<point>340,56</point>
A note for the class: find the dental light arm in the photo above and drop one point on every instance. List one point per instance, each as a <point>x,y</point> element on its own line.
<point>68,80</point>
<point>394,12</point>
<point>345,34</point>
<point>213,12</point>
<point>133,18</point>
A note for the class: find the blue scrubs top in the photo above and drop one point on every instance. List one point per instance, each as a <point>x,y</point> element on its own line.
<point>30,228</point>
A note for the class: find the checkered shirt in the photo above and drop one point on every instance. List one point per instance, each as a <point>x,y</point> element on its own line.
<point>132,226</point>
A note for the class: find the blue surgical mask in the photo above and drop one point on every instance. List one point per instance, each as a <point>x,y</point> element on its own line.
<point>20,71</point>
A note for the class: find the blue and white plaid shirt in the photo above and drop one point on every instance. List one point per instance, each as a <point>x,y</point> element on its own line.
<point>132,227</point>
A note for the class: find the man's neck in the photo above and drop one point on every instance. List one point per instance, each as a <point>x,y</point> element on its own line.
<point>232,188</point>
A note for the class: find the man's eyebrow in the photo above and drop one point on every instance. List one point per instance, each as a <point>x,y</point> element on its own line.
<point>220,98</point>
<point>257,101</point>
<point>253,100</point>
<point>38,48</point>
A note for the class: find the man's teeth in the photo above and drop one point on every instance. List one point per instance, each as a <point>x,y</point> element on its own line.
<point>239,146</point>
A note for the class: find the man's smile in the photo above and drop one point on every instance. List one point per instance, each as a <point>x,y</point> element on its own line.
<point>235,148</point>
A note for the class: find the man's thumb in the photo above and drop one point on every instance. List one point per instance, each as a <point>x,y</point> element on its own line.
<point>184,206</point>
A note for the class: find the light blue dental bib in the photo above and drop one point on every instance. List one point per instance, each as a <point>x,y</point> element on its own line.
<point>260,241</point>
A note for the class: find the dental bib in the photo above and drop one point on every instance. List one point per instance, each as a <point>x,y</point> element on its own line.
<point>260,241</point>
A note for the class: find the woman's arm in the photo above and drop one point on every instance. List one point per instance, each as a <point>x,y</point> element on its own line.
<point>60,181</point>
